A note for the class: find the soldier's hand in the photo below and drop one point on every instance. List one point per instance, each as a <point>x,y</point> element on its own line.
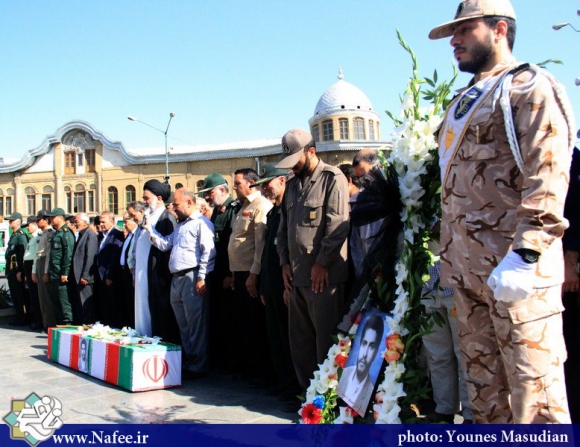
<point>319,278</point>
<point>108,282</point>
<point>287,275</point>
<point>19,276</point>
<point>229,282</point>
<point>83,282</point>
<point>64,279</point>
<point>263,299</point>
<point>35,278</point>
<point>46,278</point>
<point>252,285</point>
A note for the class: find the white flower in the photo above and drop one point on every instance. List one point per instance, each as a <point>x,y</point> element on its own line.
<point>345,416</point>
<point>334,351</point>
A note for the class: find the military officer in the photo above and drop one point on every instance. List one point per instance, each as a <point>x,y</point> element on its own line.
<point>222,315</point>
<point>59,265</point>
<point>313,250</point>
<point>15,271</point>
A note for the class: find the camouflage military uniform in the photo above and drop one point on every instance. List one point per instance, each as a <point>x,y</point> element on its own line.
<point>59,265</point>
<point>512,352</point>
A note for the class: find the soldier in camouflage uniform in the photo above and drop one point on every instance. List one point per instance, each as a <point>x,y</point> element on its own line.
<point>59,265</point>
<point>15,271</point>
<point>502,200</point>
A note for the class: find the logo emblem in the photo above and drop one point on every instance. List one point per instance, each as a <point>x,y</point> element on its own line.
<point>34,419</point>
<point>155,368</point>
<point>285,149</point>
<point>465,104</point>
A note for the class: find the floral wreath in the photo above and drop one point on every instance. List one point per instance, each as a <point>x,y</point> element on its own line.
<point>415,159</point>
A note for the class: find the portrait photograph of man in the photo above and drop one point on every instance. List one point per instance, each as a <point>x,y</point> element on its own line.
<point>361,372</point>
<point>84,355</point>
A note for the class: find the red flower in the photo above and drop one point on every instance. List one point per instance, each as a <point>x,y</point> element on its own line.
<point>391,356</point>
<point>340,360</point>
<point>311,414</point>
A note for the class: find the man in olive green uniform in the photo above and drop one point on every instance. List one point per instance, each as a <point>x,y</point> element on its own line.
<point>313,250</point>
<point>59,265</point>
<point>222,315</point>
<point>15,271</point>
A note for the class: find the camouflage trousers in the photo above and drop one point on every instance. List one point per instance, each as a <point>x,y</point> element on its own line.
<point>513,356</point>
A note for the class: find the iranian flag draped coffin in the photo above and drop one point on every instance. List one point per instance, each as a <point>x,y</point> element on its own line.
<point>135,367</point>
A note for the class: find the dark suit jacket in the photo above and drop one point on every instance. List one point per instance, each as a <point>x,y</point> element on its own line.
<point>158,272</point>
<point>85,256</point>
<point>109,256</point>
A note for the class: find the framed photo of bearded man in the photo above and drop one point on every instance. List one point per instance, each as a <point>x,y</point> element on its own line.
<point>361,372</point>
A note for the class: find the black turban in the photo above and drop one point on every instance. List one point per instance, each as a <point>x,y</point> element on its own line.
<point>157,188</point>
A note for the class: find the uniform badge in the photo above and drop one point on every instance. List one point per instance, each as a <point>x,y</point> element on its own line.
<point>247,213</point>
<point>465,104</point>
<point>285,149</point>
<point>312,215</point>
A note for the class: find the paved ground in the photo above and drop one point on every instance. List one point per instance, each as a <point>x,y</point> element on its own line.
<point>216,399</point>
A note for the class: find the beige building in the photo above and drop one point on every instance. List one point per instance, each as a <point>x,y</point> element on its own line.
<point>80,170</point>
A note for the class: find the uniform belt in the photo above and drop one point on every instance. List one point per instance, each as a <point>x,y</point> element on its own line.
<point>181,273</point>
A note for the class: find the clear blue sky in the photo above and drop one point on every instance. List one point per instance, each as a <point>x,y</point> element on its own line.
<point>231,70</point>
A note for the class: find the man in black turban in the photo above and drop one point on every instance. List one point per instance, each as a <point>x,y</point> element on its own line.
<point>153,312</point>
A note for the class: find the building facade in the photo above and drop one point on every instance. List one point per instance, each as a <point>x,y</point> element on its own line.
<point>80,169</point>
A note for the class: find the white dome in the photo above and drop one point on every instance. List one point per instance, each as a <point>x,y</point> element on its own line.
<point>342,96</point>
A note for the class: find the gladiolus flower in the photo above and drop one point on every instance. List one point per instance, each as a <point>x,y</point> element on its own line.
<point>311,414</point>
<point>379,397</point>
<point>340,360</point>
<point>392,356</point>
<point>394,343</point>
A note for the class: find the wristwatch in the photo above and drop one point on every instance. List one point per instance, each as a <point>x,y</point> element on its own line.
<point>529,256</point>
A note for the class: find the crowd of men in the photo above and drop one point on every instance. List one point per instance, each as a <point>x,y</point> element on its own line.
<point>256,286</point>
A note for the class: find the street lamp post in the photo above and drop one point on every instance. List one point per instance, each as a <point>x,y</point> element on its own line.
<point>171,115</point>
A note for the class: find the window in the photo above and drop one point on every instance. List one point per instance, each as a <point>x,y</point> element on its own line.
<point>68,194</point>
<point>343,124</point>
<point>8,201</point>
<point>371,130</point>
<point>91,198</point>
<point>316,132</point>
<point>69,162</point>
<point>178,185</point>
<point>359,129</point>
<point>30,200</point>
<point>90,160</point>
<point>113,200</point>
<point>79,199</point>
<point>79,159</point>
<point>327,131</point>
<point>46,198</point>
<point>46,202</point>
<point>200,184</point>
<point>130,194</point>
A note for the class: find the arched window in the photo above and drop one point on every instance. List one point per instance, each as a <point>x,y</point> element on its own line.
<point>371,130</point>
<point>359,129</point>
<point>91,198</point>
<point>316,132</point>
<point>327,130</point>
<point>178,185</point>
<point>113,200</point>
<point>79,199</point>
<point>30,200</point>
<point>47,193</point>
<point>200,184</point>
<point>130,194</point>
<point>68,194</point>
<point>343,125</point>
